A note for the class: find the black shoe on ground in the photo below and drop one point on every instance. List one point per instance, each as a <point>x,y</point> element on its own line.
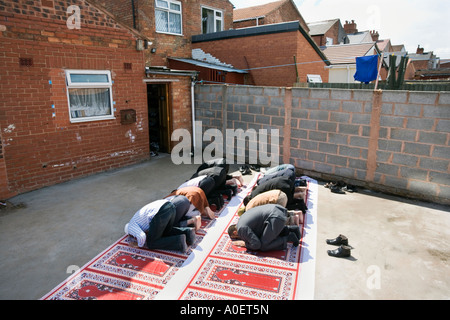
<point>245,170</point>
<point>339,240</point>
<point>337,189</point>
<point>349,188</point>
<point>341,252</point>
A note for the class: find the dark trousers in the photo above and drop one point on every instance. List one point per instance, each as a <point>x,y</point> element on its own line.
<point>207,185</point>
<point>273,237</point>
<point>162,234</point>
<point>182,205</point>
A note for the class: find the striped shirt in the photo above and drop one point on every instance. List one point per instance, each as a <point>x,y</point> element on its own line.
<point>140,222</point>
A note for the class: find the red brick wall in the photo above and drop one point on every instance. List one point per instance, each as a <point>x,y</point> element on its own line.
<point>121,10</point>
<point>168,45</point>
<point>309,61</point>
<point>181,105</point>
<point>268,50</point>
<point>333,32</point>
<point>285,13</point>
<point>40,145</point>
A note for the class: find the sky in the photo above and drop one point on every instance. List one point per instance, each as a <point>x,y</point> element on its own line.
<point>407,22</point>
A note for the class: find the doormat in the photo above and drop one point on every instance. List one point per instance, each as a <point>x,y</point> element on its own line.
<point>211,269</point>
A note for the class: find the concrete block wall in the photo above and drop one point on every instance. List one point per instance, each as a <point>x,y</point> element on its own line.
<point>413,147</point>
<point>330,131</point>
<point>391,141</point>
<point>242,107</point>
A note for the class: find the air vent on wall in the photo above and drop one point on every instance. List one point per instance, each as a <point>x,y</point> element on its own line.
<point>26,62</point>
<point>47,3</point>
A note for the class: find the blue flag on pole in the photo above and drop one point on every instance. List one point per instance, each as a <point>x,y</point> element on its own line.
<point>366,68</point>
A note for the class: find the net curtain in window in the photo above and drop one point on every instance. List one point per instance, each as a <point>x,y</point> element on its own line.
<point>86,102</point>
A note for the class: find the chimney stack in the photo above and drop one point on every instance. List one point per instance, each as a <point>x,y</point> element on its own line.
<point>375,35</point>
<point>419,50</point>
<point>350,27</point>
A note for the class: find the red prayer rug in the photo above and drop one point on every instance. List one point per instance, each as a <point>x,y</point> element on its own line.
<point>212,268</point>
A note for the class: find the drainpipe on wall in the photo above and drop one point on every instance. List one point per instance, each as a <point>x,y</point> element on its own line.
<point>133,8</point>
<point>193,82</point>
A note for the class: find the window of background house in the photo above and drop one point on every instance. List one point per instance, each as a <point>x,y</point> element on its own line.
<point>168,16</point>
<point>212,20</point>
<point>89,94</point>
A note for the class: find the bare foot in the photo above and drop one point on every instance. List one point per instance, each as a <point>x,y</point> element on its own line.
<point>210,213</point>
<point>197,222</point>
<point>296,220</point>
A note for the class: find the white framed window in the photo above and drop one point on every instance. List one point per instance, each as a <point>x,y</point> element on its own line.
<point>168,17</point>
<point>212,20</point>
<point>89,93</point>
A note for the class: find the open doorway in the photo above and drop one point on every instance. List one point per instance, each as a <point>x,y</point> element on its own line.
<point>159,118</point>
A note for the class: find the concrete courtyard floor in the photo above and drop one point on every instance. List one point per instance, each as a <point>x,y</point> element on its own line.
<point>401,247</point>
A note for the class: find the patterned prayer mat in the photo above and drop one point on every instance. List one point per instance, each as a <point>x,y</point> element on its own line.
<point>212,268</point>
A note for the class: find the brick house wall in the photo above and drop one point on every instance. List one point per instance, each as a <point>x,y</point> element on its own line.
<point>396,142</point>
<point>167,45</point>
<point>333,33</point>
<point>40,145</point>
<point>286,12</point>
<point>257,52</point>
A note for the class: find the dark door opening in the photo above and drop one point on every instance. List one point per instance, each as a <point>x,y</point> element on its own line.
<point>159,118</point>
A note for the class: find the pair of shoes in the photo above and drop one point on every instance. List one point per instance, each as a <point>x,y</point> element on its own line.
<point>337,189</point>
<point>341,252</point>
<point>245,169</point>
<point>344,249</point>
<point>255,167</point>
<point>339,240</point>
<point>340,187</point>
